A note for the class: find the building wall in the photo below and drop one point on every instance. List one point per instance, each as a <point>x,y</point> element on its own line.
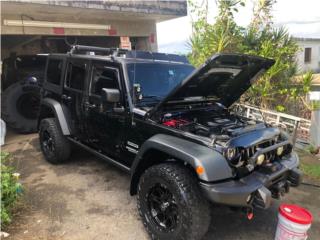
<point>26,25</point>
<point>155,9</point>
<point>314,64</point>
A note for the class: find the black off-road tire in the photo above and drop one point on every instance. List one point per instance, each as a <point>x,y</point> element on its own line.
<point>50,134</point>
<point>20,105</point>
<point>193,208</point>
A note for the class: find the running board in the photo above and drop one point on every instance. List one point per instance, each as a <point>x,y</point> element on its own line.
<point>100,155</point>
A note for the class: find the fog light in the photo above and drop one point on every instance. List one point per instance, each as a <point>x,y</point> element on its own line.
<point>280,150</point>
<point>260,159</point>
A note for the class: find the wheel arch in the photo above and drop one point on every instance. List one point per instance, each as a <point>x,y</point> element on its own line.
<point>52,108</point>
<point>161,148</point>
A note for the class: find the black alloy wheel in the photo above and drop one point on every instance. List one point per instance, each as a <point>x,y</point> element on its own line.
<point>54,145</point>
<point>171,204</point>
<point>163,207</point>
<point>47,143</point>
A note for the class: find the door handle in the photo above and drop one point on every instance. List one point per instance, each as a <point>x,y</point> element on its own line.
<point>65,97</point>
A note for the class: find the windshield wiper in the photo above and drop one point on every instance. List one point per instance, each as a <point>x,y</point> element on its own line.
<point>151,97</point>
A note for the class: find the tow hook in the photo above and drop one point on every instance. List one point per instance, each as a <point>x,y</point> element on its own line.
<point>250,214</point>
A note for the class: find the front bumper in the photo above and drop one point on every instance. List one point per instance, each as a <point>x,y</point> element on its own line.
<point>256,189</point>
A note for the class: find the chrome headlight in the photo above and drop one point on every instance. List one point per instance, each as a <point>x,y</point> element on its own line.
<point>280,150</point>
<point>233,155</point>
<point>260,159</point>
<point>230,153</point>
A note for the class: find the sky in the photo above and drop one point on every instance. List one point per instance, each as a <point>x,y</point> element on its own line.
<point>300,17</point>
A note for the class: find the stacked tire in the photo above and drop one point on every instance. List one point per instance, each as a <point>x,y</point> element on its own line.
<point>20,106</point>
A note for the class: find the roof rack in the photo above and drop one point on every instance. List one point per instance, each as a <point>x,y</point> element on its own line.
<point>78,49</point>
<point>155,56</point>
<point>119,52</point>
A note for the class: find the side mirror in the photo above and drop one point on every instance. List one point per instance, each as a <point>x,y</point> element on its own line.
<point>110,95</point>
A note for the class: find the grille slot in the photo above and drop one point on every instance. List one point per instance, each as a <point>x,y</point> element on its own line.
<point>250,151</point>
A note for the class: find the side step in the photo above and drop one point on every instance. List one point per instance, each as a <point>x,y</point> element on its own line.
<point>100,155</point>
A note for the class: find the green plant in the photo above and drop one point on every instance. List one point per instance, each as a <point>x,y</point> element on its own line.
<point>224,35</point>
<point>10,189</point>
<point>277,86</point>
<point>277,89</point>
<point>311,149</point>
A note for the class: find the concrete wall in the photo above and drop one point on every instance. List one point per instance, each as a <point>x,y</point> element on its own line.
<point>119,23</point>
<point>314,64</point>
<point>125,18</point>
<point>136,19</point>
<point>154,9</point>
<point>118,28</point>
<point>315,128</point>
<point>28,45</point>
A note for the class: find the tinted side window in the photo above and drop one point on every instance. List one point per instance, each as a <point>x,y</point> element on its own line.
<point>104,78</point>
<point>54,71</point>
<point>76,75</point>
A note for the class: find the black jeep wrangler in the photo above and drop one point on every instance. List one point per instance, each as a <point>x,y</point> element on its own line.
<point>169,126</point>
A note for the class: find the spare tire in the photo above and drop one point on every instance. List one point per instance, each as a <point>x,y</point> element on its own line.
<point>20,106</point>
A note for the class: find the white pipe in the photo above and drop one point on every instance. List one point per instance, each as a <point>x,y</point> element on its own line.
<point>45,24</point>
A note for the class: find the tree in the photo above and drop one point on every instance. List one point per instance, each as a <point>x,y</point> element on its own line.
<point>276,89</point>
<point>222,36</point>
<point>262,17</point>
<point>276,86</point>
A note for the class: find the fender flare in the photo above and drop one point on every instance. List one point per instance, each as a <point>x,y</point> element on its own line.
<point>59,112</point>
<point>214,164</point>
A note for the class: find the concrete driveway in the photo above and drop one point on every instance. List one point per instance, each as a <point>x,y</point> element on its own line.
<point>87,198</point>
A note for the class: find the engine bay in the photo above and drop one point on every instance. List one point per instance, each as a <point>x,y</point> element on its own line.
<point>219,125</point>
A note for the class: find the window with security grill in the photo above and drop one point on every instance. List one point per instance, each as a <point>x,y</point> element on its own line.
<point>307,55</point>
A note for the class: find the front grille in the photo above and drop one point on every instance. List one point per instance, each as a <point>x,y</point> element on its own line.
<point>250,151</point>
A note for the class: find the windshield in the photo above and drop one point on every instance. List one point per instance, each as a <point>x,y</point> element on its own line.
<point>156,80</point>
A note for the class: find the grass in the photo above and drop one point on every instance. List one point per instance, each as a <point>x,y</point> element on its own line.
<point>311,170</point>
<point>10,189</point>
<point>309,164</point>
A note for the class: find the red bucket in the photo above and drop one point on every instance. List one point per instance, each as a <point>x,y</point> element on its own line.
<point>293,223</point>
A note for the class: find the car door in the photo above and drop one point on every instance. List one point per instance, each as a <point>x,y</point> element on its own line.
<point>106,122</point>
<point>74,94</point>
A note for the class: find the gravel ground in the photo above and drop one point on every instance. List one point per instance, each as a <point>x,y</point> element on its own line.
<point>89,199</point>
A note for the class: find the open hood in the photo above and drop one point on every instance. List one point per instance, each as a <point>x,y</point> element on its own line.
<point>223,78</point>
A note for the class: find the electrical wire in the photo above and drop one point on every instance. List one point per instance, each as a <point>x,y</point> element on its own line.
<point>22,21</point>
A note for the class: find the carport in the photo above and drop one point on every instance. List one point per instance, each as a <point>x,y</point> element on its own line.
<point>30,27</point>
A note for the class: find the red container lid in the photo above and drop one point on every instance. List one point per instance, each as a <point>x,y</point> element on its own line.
<point>295,213</point>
